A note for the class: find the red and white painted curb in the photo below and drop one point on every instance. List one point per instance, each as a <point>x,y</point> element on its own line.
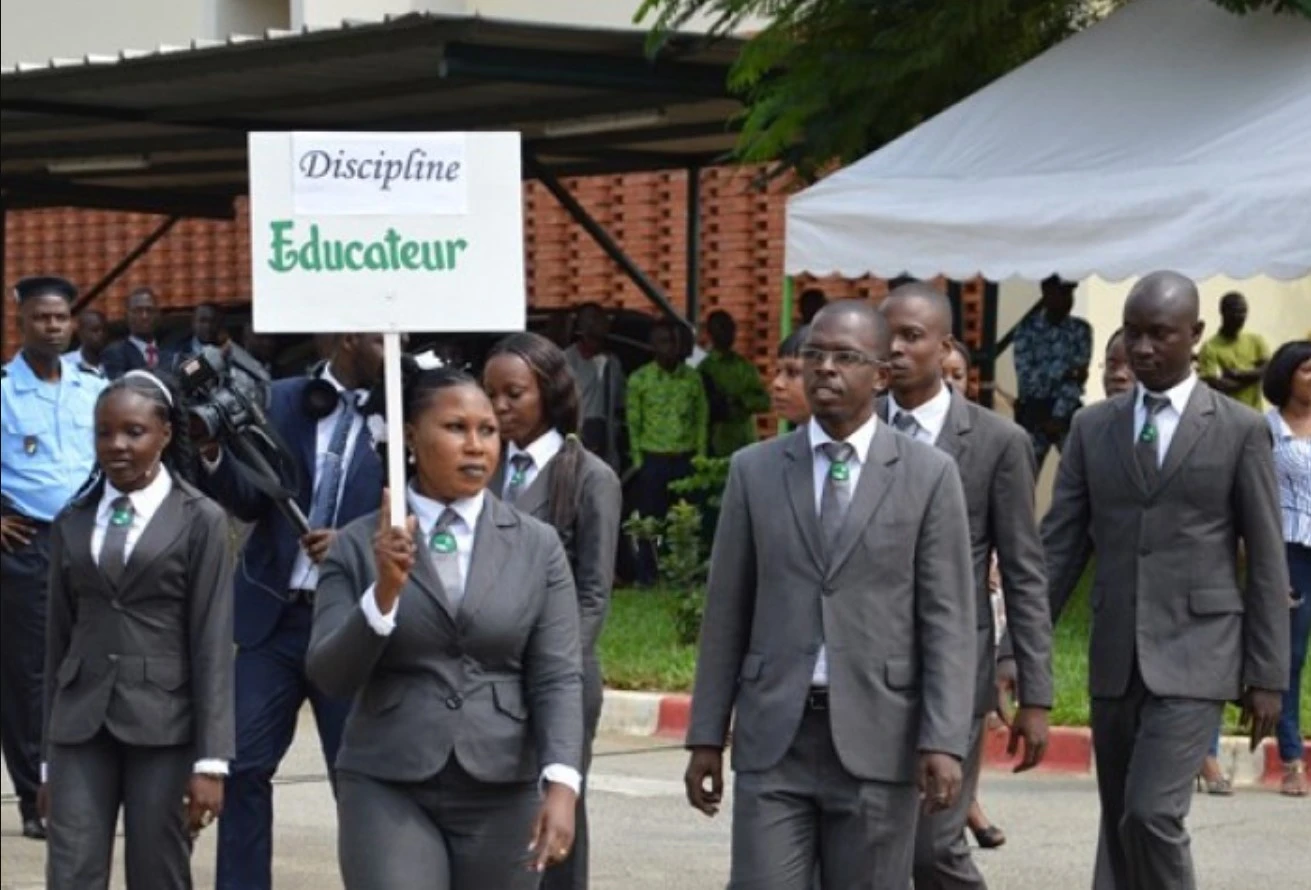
<point>1069,750</point>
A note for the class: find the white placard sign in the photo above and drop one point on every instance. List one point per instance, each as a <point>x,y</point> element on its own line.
<point>386,232</point>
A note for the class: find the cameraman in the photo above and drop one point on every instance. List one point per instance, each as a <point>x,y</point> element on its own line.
<point>275,587</point>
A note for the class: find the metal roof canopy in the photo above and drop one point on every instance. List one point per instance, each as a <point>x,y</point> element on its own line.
<point>164,131</point>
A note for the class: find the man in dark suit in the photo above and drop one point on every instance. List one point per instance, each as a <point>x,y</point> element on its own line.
<point>342,480</point>
<point>997,471</point>
<point>142,349</point>
<point>840,625</point>
<point>1162,482</point>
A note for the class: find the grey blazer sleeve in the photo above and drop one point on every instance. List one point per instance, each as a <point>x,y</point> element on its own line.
<point>946,615</point>
<point>596,543</point>
<point>210,566</point>
<point>553,673</point>
<point>1265,613</point>
<point>1065,528</point>
<point>61,615</point>
<point>726,626</point>
<point>1024,579</point>
<point>343,647</point>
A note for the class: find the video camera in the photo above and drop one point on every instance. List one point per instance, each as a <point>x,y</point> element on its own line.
<point>227,390</point>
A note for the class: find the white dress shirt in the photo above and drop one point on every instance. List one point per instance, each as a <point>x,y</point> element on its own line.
<point>542,450</point>
<point>931,416</point>
<point>304,573</point>
<point>1167,419</point>
<point>428,511</point>
<point>145,503</point>
<point>859,440</point>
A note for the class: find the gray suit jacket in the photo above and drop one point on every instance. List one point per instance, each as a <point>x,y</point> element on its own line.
<point>996,464</point>
<point>149,659</point>
<point>591,543</point>
<point>894,605</point>
<point>1166,588</point>
<point>497,683</point>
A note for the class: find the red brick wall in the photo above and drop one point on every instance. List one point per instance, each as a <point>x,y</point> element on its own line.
<point>741,252</point>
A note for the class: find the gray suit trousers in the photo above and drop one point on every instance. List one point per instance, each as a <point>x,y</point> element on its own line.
<point>809,810</point>
<point>573,873</point>
<point>1148,751</point>
<point>942,854</point>
<point>451,832</point>
<point>88,783</point>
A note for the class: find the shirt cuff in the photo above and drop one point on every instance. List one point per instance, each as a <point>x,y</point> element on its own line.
<point>382,625</point>
<point>211,767</point>
<point>563,775</point>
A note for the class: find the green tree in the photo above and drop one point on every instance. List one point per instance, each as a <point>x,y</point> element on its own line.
<point>828,81</point>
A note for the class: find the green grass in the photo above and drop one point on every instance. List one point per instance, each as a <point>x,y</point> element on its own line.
<point>640,650</point>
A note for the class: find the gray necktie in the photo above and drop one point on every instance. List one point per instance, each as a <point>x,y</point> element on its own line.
<point>113,550</point>
<point>446,555</point>
<point>837,491</point>
<point>519,465</point>
<point>906,423</point>
<point>1146,448</point>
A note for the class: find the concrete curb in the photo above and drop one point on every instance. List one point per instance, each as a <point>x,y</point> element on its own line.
<point>1069,750</point>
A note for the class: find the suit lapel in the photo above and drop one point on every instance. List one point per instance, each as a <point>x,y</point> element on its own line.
<point>954,438</point>
<point>535,499</point>
<point>166,526</point>
<point>875,479</point>
<point>1192,427</point>
<point>491,553</point>
<point>1123,441</point>
<point>81,525</point>
<point>799,477</point>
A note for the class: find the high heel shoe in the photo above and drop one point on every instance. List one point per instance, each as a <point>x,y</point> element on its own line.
<point>1219,787</point>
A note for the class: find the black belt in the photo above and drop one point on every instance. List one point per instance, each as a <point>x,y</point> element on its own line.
<point>300,595</point>
<point>817,698</point>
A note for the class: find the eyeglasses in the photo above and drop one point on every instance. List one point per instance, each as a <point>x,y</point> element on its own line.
<point>842,358</point>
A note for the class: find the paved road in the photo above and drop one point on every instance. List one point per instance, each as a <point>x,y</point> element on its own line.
<point>647,838</point>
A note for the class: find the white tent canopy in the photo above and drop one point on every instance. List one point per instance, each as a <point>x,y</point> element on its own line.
<point>1172,135</point>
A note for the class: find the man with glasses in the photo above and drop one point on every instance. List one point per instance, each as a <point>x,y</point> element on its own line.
<point>840,628</point>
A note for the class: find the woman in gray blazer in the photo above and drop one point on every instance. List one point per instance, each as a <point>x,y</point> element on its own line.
<point>457,637</point>
<point>546,472</point>
<point>139,659</point>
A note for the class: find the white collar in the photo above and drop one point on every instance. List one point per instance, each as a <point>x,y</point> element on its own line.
<point>328,376</point>
<point>1178,395</point>
<point>932,415</point>
<point>860,439</point>
<point>429,511</point>
<point>541,450</point>
<point>145,501</point>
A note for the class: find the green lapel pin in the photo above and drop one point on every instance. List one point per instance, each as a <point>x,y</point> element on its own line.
<point>442,542</point>
<point>121,517</point>
<point>838,471</point>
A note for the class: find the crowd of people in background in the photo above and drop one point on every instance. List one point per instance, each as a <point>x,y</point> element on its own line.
<point>112,523</point>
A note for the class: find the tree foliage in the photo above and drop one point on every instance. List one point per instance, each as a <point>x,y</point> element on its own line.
<point>828,81</point>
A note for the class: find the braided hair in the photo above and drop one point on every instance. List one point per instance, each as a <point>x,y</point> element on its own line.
<point>560,409</point>
<point>179,455</point>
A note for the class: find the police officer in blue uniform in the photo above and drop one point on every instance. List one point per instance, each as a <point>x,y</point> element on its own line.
<point>47,411</point>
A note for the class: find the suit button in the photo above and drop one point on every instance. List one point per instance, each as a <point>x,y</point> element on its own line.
<point>116,605</point>
<point>1144,551</point>
<point>826,590</point>
<point>454,702</point>
<point>112,657</point>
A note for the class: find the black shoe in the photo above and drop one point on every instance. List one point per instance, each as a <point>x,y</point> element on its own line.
<point>989,838</point>
<point>34,829</point>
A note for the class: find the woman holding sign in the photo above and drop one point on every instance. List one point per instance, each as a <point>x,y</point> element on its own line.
<point>546,472</point>
<point>458,638</point>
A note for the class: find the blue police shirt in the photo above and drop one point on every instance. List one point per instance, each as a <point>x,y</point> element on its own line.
<point>48,446</point>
